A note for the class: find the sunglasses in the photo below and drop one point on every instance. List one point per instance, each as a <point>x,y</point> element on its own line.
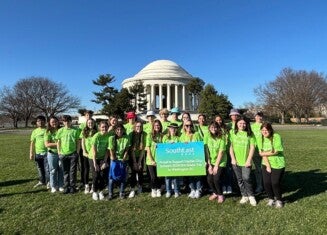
<point>188,125</point>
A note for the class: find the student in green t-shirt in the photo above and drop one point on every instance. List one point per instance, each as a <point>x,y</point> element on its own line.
<point>86,135</point>
<point>202,127</point>
<point>99,155</point>
<point>190,135</point>
<point>68,147</point>
<point>150,116</point>
<point>152,140</point>
<point>38,152</point>
<point>216,158</point>
<point>273,165</point>
<point>136,157</point>
<point>241,152</point>
<point>113,122</point>
<point>131,118</point>
<point>118,146</point>
<point>56,171</point>
<point>164,113</point>
<point>171,137</point>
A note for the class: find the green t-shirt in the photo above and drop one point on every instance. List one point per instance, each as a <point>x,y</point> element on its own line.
<point>37,137</point>
<point>51,138</point>
<point>277,161</point>
<point>100,141</point>
<point>152,144</point>
<point>122,145</point>
<point>255,127</point>
<point>128,127</point>
<point>170,139</point>
<point>147,127</point>
<point>68,138</point>
<point>241,145</point>
<point>165,127</point>
<point>138,143</point>
<point>202,130</point>
<point>190,138</point>
<point>215,145</point>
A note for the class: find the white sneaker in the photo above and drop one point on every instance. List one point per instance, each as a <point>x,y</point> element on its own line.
<point>229,190</point>
<point>244,200</point>
<point>192,194</point>
<point>278,204</point>
<point>95,196</point>
<point>176,195</point>
<point>252,200</point>
<point>53,190</point>
<point>271,202</point>
<point>61,189</point>
<point>158,193</point>
<point>38,184</point>
<point>168,194</point>
<point>153,193</point>
<point>87,189</point>
<point>131,194</point>
<point>197,194</point>
<point>48,185</point>
<point>224,190</point>
<point>101,196</point>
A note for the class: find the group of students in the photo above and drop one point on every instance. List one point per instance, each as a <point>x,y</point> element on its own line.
<point>115,152</point>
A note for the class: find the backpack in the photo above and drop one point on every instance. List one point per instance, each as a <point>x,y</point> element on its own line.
<point>117,170</point>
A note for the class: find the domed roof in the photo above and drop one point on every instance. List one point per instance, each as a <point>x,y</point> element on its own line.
<point>162,69</point>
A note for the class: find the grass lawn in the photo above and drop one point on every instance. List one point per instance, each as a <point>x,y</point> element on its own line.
<point>24,210</point>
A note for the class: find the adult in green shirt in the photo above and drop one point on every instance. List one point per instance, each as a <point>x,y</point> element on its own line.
<point>255,127</point>
<point>241,152</point>
<point>273,164</point>
<point>56,171</point>
<point>68,148</point>
<point>38,152</point>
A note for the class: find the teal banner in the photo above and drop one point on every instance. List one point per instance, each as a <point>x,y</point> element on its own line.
<point>180,159</point>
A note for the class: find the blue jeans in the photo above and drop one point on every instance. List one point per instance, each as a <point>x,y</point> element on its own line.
<point>244,180</point>
<point>174,181</point>
<point>121,187</point>
<point>42,167</point>
<point>195,183</point>
<point>56,170</point>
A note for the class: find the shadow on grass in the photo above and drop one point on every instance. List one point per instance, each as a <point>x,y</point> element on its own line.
<point>15,182</point>
<point>304,184</point>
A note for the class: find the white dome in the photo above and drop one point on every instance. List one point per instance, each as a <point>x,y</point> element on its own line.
<point>161,69</point>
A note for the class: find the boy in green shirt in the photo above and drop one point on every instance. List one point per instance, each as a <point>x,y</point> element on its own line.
<point>68,148</point>
<point>38,152</point>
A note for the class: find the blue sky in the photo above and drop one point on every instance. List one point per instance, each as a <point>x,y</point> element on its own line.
<point>234,45</point>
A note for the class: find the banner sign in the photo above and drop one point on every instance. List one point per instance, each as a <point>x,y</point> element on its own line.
<point>180,159</point>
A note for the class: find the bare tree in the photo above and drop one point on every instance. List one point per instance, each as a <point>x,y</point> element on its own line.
<point>10,105</point>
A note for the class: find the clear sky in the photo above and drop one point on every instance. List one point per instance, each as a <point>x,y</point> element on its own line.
<point>233,44</point>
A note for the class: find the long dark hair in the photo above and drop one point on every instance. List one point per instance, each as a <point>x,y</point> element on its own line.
<point>137,140</point>
<point>50,128</point>
<point>269,128</point>
<point>218,133</point>
<point>87,132</point>
<point>248,129</point>
<point>116,137</point>
<point>155,135</point>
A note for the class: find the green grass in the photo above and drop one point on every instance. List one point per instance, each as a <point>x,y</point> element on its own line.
<point>24,210</point>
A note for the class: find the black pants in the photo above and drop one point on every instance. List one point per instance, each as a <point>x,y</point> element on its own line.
<point>69,163</point>
<point>98,176</point>
<point>82,166</point>
<point>215,181</point>
<point>139,173</point>
<point>86,175</point>
<point>272,182</point>
<point>154,180</point>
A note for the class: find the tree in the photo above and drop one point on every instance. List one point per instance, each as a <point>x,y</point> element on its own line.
<point>212,103</point>
<point>195,86</point>
<point>106,95</point>
<point>10,106</point>
<point>138,96</point>
<point>121,104</point>
<point>293,92</point>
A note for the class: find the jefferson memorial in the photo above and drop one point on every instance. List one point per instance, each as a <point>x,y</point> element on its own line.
<point>165,85</point>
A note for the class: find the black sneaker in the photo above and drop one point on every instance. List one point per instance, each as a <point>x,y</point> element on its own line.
<point>66,191</point>
<point>72,190</point>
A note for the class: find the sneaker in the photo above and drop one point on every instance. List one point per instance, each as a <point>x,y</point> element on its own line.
<point>87,189</point>
<point>53,190</point>
<point>153,193</point>
<point>168,194</point>
<point>224,190</point>
<point>252,200</point>
<point>48,185</point>
<point>221,199</point>
<point>38,184</point>
<point>192,194</point>
<point>131,194</point>
<point>229,190</point>
<point>197,194</point>
<point>213,197</point>
<point>61,189</point>
<point>244,200</point>
<point>258,190</point>
<point>121,195</point>
<point>95,196</point>
<point>271,202</point>
<point>176,195</point>
<point>110,196</point>
<point>72,190</point>
<point>158,193</point>
<point>101,196</point>
<point>279,204</point>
